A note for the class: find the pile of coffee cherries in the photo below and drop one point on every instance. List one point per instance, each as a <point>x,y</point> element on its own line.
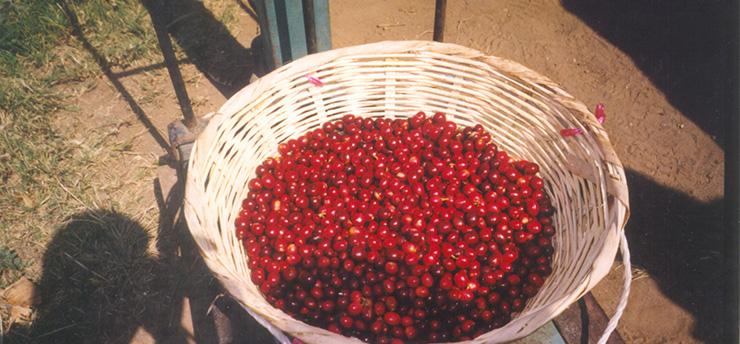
<point>397,230</point>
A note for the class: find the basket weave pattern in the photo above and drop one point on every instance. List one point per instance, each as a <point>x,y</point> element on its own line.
<point>522,110</point>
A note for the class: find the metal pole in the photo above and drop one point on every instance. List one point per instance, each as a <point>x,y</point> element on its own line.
<point>440,7</point>
<point>158,14</point>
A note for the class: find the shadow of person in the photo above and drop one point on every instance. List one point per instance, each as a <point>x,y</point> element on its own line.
<point>680,242</point>
<point>101,283</point>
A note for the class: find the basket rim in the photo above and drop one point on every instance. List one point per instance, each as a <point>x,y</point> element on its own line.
<point>313,62</point>
<point>618,188</point>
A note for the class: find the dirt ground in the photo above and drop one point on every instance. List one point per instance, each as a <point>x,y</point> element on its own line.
<point>657,66</point>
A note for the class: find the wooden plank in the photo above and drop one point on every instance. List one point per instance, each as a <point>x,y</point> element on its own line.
<point>308,19</point>
<point>287,25</point>
<point>295,30</point>
<point>322,24</point>
<point>583,322</point>
<point>273,56</point>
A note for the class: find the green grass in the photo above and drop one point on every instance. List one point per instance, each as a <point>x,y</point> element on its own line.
<point>45,180</point>
<point>11,265</point>
<point>88,258</point>
<point>40,57</point>
<point>42,176</point>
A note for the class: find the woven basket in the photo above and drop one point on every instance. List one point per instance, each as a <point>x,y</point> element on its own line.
<point>523,111</point>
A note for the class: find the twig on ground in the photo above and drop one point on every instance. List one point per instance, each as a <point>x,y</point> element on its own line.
<point>57,330</point>
<point>73,195</point>
<point>390,25</point>
<point>85,267</point>
<point>425,32</point>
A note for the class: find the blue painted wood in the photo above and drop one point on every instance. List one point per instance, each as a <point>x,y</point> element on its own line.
<point>268,18</point>
<point>284,28</point>
<point>295,30</point>
<point>547,334</point>
<point>323,24</point>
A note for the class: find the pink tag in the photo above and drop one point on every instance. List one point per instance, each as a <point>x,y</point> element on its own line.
<point>600,113</point>
<point>314,80</point>
<point>568,132</point>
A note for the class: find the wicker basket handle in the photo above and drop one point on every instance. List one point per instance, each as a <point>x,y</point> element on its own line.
<point>612,325</point>
<point>278,335</point>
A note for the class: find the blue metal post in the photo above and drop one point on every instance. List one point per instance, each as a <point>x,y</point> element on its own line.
<point>293,28</point>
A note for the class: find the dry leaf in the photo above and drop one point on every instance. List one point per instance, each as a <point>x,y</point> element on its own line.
<point>19,297</point>
<point>22,293</point>
<point>28,201</point>
<point>20,315</point>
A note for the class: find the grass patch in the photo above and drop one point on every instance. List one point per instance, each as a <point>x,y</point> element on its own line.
<point>11,265</point>
<point>86,261</point>
<point>42,176</point>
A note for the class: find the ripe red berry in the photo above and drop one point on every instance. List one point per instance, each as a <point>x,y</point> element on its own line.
<point>391,267</point>
<point>392,318</point>
<point>410,332</point>
<point>346,321</point>
<point>461,279</point>
<point>372,227</point>
<point>422,291</point>
<point>535,279</point>
<point>354,309</point>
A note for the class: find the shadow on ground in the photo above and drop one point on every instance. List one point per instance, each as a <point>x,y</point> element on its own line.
<point>687,49</point>
<point>680,242</point>
<point>113,78</point>
<point>215,317</point>
<point>206,41</point>
<point>100,284</point>
<point>684,47</point>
